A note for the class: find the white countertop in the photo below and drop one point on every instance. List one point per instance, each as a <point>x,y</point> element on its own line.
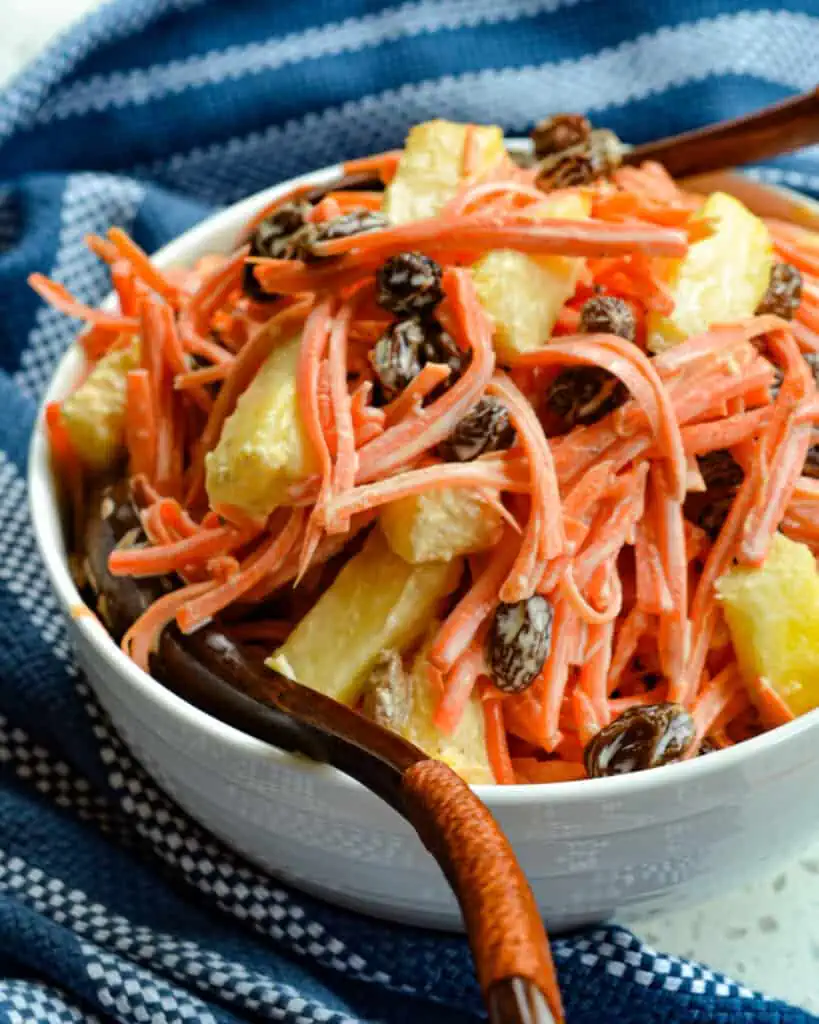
<point>765,935</point>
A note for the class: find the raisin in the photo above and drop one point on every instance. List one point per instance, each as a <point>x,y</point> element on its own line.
<point>357,222</point>
<point>440,347</point>
<point>583,395</point>
<point>560,132</point>
<point>638,739</point>
<point>409,284</point>
<point>784,292</point>
<point>710,511</point>
<point>397,356</point>
<point>405,348</point>
<point>606,314</point>
<point>485,428</point>
<point>598,157</point>
<point>720,469</point>
<point>387,697</point>
<point>518,644</point>
<point>274,238</point>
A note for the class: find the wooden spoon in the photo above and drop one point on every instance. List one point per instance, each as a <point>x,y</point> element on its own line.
<point>772,131</point>
<point>506,934</point>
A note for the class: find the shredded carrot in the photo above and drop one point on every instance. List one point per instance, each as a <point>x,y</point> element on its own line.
<point>202,607</point>
<point>458,687</point>
<point>529,769</point>
<point>594,519</point>
<point>142,266</point>
<point>140,423</point>
<point>412,397</point>
<point>177,556</point>
<point>143,638</point>
<point>479,233</point>
<point>461,625</point>
<point>57,296</point>
<point>383,165</point>
<point>555,674</point>
<point>497,747</point>
<point>352,200</point>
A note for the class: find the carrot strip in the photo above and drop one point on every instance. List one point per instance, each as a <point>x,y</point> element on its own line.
<point>459,628</point>
<point>140,423</point>
<point>480,233</point>
<point>201,608</point>
<point>625,361</point>
<point>346,457</point>
<point>497,748</point>
<point>555,674</point>
<point>102,248</point>
<point>124,281</point>
<point>653,594</point>
<point>458,687</point>
<point>384,165</point>
<point>674,627</point>
<point>409,438</point>
<point>352,200</point>
<point>772,708</point>
<point>328,548</point>
<point>57,296</point>
<point>544,538</point>
<point>529,769</point>
<point>177,556</point>
<point>587,721</point>
<point>412,397</point>
<point>699,438</point>
<point>631,630</point>
<point>314,344</point>
<point>506,475</point>
<point>193,379</point>
<point>712,700</point>
<point>142,266</point>
<point>211,294</point>
<point>594,673</point>
<point>143,638</point>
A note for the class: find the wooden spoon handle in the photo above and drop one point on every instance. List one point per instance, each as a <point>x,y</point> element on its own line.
<point>767,133</point>
<point>506,934</point>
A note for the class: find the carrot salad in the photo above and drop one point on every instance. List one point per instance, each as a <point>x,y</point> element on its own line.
<point>520,466</point>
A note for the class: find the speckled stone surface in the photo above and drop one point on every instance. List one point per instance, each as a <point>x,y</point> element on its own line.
<point>766,934</point>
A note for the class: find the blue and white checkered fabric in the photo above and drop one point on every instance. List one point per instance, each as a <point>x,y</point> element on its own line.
<point>114,905</point>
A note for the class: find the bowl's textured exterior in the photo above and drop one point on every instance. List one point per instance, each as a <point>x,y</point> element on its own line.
<point>645,842</point>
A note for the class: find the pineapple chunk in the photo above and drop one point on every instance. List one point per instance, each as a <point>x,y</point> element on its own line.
<point>263,448</point>
<point>431,168</point>
<point>440,525</point>
<point>406,702</point>
<point>722,278</point>
<point>524,294</point>
<point>94,415</point>
<point>378,601</point>
<point>773,617</point>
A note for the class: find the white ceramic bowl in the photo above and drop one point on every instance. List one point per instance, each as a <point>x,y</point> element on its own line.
<point>649,841</point>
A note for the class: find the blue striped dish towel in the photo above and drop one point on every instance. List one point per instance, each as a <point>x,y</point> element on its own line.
<point>148,115</point>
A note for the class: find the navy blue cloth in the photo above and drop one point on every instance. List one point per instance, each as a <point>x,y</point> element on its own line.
<point>114,905</point>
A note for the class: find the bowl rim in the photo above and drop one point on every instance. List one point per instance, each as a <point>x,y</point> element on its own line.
<point>45,519</point>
